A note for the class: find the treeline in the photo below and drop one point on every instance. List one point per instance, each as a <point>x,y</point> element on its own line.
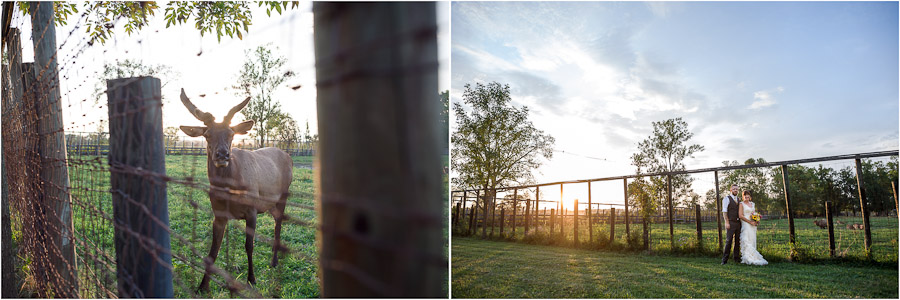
<point>811,187</point>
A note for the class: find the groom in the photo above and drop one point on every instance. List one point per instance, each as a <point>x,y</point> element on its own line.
<point>732,224</point>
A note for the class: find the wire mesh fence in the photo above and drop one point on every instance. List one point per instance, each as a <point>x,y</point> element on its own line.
<point>131,212</point>
<point>571,214</point>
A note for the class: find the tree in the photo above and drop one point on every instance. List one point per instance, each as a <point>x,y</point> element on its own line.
<point>495,145</point>
<point>664,151</point>
<point>260,75</point>
<point>287,131</point>
<point>100,18</point>
<point>757,180</point>
<point>131,68</point>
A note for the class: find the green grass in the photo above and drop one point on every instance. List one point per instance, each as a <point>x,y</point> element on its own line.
<point>772,238</point>
<point>294,277</point>
<point>488,269</point>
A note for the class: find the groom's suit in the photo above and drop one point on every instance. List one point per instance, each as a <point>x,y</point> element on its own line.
<point>734,230</point>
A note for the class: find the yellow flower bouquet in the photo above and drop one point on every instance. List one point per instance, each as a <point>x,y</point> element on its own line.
<point>755,217</point>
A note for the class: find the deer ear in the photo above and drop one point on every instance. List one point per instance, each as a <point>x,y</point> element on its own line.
<point>243,127</point>
<point>193,131</point>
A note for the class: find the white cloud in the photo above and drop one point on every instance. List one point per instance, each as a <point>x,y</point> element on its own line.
<point>765,98</point>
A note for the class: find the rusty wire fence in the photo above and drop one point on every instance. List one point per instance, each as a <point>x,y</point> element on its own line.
<point>820,190</point>
<point>128,218</point>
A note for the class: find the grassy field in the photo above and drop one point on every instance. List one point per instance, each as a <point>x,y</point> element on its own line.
<point>489,269</point>
<point>772,238</point>
<point>294,277</point>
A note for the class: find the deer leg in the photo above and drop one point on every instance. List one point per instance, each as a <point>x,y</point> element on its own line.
<point>248,245</point>
<point>278,214</point>
<point>218,233</point>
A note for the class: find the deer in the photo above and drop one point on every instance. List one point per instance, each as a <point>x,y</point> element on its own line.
<point>243,183</point>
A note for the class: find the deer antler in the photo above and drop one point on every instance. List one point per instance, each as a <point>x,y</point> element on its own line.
<point>206,117</point>
<point>235,109</point>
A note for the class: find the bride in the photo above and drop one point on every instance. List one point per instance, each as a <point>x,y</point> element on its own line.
<point>749,255</point>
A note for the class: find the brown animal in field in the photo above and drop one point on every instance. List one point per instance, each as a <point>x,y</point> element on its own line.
<point>856,226</point>
<point>839,222</point>
<point>242,183</point>
<point>821,223</point>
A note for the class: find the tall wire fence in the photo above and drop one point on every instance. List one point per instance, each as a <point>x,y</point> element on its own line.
<point>826,219</point>
<point>126,213</point>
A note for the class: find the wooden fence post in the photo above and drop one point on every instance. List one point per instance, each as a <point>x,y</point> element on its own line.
<point>54,172</point>
<point>552,219</point>
<point>575,222</point>
<point>863,207</point>
<point>718,210</point>
<point>627,221</point>
<point>12,102</point>
<point>669,196</point>
<point>456,215</point>
<point>472,211</point>
<point>590,216</point>
<point>466,212</point>
<point>787,202</point>
<point>699,228</point>
<point>527,214</point>
<point>493,212</point>
<point>561,213</point>
<point>502,215</point>
<point>830,216</point>
<point>375,62</point>
<point>144,260</point>
<point>484,213</point>
<point>515,209</point>
<point>612,224</point>
<point>896,205</point>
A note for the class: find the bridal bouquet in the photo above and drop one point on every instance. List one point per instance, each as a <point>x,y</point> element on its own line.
<point>755,217</point>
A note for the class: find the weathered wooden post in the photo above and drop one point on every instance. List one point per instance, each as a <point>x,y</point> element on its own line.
<point>562,221</point>
<point>699,228</point>
<point>54,172</point>
<point>669,196</point>
<point>456,214</point>
<point>896,205</point>
<point>515,208</point>
<point>484,213</point>
<point>12,102</point>
<point>612,224</point>
<point>627,220</point>
<point>787,202</point>
<point>140,204</point>
<point>375,63</point>
<point>590,216</point>
<point>575,222</point>
<point>537,203</point>
<point>493,212</point>
<point>718,210</point>
<point>527,215</point>
<point>863,206</point>
<point>472,211</point>
<point>502,214</point>
<point>830,216</point>
<point>561,213</point>
<point>552,219</point>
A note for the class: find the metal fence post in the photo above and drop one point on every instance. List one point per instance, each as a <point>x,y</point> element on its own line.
<point>143,253</point>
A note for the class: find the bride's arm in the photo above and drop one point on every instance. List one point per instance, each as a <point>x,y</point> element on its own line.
<point>741,214</point>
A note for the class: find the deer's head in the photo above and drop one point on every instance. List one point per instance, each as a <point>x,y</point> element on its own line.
<point>218,135</point>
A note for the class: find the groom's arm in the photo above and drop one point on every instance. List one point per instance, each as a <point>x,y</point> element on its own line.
<point>725,212</point>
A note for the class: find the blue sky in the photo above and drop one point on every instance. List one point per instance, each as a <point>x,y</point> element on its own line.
<point>777,80</point>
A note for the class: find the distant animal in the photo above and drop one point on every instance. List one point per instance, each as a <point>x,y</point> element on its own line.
<point>839,222</point>
<point>242,183</point>
<point>856,226</point>
<point>821,223</point>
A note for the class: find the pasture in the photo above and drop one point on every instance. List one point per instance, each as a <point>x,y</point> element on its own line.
<point>490,269</point>
<point>772,238</point>
<point>294,277</point>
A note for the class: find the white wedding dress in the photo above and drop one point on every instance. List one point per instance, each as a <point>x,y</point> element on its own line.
<point>749,255</point>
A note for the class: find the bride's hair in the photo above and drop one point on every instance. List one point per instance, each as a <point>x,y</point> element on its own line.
<point>747,192</point>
